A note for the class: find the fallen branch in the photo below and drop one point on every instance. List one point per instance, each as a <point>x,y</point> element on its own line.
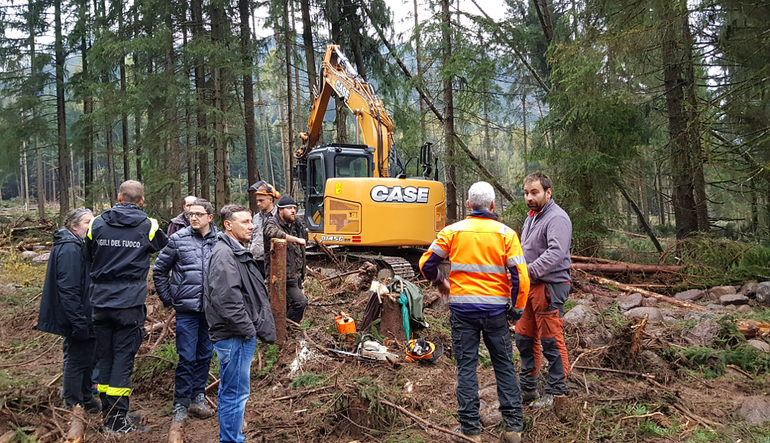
<point>425,422</point>
<point>649,377</point>
<point>298,394</point>
<point>753,328</point>
<point>77,425</point>
<point>664,298</point>
<point>649,414</point>
<point>582,259</point>
<point>624,268</point>
<point>164,333</point>
<point>326,250</point>
<point>705,422</point>
<point>357,271</point>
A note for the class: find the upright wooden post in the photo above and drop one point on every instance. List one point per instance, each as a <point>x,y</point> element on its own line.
<point>278,287</point>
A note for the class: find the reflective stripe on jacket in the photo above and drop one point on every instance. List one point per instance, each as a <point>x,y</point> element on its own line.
<point>482,252</point>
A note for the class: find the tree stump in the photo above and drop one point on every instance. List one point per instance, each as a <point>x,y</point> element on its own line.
<point>391,324</point>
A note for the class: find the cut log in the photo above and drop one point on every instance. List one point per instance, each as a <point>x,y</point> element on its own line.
<point>660,297</point>
<point>77,425</point>
<point>753,328</point>
<point>581,259</point>
<point>593,289</point>
<point>176,432</point>
<point>391,324</point>
<point>624,268</point>
<point>278,287</point>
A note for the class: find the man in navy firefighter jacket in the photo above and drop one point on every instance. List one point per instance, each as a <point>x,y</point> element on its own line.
<point>118,246</point>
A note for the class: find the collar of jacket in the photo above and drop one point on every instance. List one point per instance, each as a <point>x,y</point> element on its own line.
<point>287,227</point>
<point>545,208</point>
<point>236,246</point>
<point>213,231</point>
<point>483,214</point>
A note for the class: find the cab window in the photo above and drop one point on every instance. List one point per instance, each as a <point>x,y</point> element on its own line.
<point>351,166</point>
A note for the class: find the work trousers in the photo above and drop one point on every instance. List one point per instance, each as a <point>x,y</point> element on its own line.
<point>466,336</point>
<point>194,348</point>
<point>78,367</point>
<point>296,302</point>
<point>235,357</point>
<point>119,333</point>
<point>541,329</point>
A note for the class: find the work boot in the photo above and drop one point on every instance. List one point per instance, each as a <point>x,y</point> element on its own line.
<point>510,437</point>
<point>92,406</point>
<point>545,402</point>
<point>180,413</point>
<point>529,395</point>
<point>472,437</point>
<point>199,408</point>
<point>121,426</point>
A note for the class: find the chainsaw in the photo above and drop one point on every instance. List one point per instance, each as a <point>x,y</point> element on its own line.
<point>370,349</point>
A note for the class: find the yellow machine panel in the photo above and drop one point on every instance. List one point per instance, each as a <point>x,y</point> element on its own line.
<point>382,212</point>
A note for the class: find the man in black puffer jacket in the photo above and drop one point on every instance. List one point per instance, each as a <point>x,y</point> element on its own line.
<point>187,257</point>
<point>66,310</point>
<point>118,246</point>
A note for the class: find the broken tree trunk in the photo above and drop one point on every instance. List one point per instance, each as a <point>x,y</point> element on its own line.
<point>624,268</point>
<point>753,328</point>
<point>360,281</point>
<point>660,297</point>
<point>278,287</point>
<point>77,425</point>
<point>391,324</point>
<point>176,432</point>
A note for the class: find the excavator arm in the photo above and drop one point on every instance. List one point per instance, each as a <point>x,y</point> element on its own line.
<point>374,123</point>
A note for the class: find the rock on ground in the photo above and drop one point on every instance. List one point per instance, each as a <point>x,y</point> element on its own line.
<point>691,295</point>
<point>42,258</point>
<point>580,314</point>
<point>749,289</point>
<point>734,299</point>
<point>630,302</point>
<point>759,344</point>
<point>719,291</point>
<point>29,255</point>
<point>763,293</point>
<point>649,302</point>
<point>653,314</point>
<point>704,333</point>
<point>756,410</point>
<point>743,309</point>
<point>488,406</point>
<point>598,338</point>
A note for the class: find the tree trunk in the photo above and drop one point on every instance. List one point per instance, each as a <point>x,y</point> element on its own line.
<point>248,102</point>
<point>685,209</point>
<point>40,181</point>
<point>201,140</point>
<point>287,43</point>
<point>340,110</point>
<point>175,147</point>
<point>418,56</point>
<point>124,114</point>
<point>307,41</point>
<point>38,154</point>
<point>449,128</point>
<point>524,128</point>
<point>61,118</point>
<point>221,172</point>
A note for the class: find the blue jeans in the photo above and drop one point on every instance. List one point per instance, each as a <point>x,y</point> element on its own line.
<point>235,356</point>
<point>466,335</point>
<point>194,348</point>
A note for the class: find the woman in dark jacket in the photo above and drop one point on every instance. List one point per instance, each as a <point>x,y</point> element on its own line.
<point>65,309</point>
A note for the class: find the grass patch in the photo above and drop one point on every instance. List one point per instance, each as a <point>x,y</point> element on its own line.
<point>568,305</point>
<point>269,358</point>
<point>20,271</point>
<point>8,381</point>
<point>148,368</point>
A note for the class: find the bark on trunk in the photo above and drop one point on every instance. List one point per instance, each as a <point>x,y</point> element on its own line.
<point>201,140</point>
<point>248,101</point>
<point>289,105</point>
<point>61,118</point>
<point>449,129</point>
<point>307,41</point>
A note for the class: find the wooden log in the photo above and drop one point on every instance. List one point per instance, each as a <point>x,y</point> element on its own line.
<point>278,287</point>
<point>753,328</point>
<point>582,259</point>
<point>77,425</point>
<point>391,324</point>
<point>660,297</point>
<point>176,432</point>
<point>624,268</point>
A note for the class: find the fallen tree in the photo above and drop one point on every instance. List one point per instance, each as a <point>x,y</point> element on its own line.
<point>628,288</point>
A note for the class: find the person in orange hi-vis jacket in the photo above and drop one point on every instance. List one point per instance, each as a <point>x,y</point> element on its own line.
<point>482,298</point>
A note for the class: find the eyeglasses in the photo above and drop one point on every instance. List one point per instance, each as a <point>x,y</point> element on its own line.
<point>198,214</point>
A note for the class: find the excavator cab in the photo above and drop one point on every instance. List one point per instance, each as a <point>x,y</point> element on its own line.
<point>334,160</point>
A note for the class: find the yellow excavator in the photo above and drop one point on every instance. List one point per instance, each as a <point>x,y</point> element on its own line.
<point>357,196</point>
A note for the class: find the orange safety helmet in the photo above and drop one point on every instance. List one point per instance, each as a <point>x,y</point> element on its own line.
<point>264,188</point>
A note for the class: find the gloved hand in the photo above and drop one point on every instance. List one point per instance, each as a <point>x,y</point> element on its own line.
<point>514,314</point>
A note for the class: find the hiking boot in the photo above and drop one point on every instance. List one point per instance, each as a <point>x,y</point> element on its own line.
<point>92,406</point>
<point>472,437</point>
<point>529,395</point>
<point>199,408</point>
<point>510,437</point>
<point>122,426</point>
<point>545,402</point>
<point>180,413</point>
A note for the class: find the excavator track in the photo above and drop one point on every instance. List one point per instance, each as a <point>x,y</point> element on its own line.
<point>388,265</point>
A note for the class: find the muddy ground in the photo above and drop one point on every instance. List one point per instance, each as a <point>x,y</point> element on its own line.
<point>303,395</point>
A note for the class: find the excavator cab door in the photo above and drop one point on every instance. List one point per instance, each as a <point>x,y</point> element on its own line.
<point>316,182</point>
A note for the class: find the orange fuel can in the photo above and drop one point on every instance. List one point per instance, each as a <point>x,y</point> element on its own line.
<point>345,324</point>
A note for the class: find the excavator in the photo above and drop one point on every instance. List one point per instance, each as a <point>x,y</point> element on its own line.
<point>358,198</point>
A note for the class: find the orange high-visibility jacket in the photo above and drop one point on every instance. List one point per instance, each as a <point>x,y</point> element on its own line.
<point>482,252</point>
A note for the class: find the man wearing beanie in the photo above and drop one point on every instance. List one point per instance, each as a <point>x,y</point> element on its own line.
<point>286,226</point>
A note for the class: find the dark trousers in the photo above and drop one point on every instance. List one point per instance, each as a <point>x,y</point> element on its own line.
<point>119,333</point>
<point>78,366</point>
<point>541,330</point>
<point>296,302</point>
<point>194,348</point>
<point>466,335</point>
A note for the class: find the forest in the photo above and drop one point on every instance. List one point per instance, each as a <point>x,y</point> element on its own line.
<point>658,106</point>
<point>651,117</point>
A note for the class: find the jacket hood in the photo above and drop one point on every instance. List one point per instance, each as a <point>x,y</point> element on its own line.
<point>64,235</point>
<point>124,214</point>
